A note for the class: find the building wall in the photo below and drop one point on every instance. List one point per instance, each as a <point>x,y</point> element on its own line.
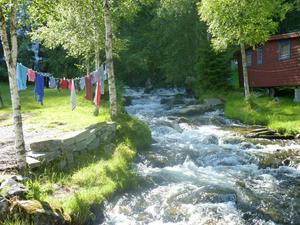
<point>272,72</point>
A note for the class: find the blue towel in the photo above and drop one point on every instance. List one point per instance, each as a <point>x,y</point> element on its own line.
<point>39,87</point>
<point>21,77</point>
<point>52,82</point>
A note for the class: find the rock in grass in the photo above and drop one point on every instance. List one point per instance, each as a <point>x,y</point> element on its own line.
<point>10,188</point>
<point>4,208</point>
<point>39,212</point>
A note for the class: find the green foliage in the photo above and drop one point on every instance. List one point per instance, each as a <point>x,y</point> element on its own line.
<point>239,22</point>
<point>292,21</point>
<point>16,221</point>
<point>25,56</point>
<point>163,42</point>
<point>57,62</point>
<point>213,69</point>
<point>81,22</point>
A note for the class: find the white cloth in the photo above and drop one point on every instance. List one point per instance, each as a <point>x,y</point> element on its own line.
<point>105,71</point>
<point>102,78</point>
<point>82,83</point>
<point>73,96</point>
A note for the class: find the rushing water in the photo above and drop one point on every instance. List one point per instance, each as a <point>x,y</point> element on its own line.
<point>200,173</point>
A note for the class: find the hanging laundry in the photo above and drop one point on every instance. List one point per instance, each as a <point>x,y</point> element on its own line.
<point>97,99</point>
<point>64,84</point>
<point>102,78</point>
<point>94,78</point>
<point>88,88</point>
<point>31,75</point>
<point>105,71</point>
<point>39,87</point>
<point>70,85</point>
<point>82,83</point>
<point>46,81</point>
<point>96,74</point>
<point>73,96</point>
<point>21,77</point>
<point>77,85</point>
<point>52,82</point>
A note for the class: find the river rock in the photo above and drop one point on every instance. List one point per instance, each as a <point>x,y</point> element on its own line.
<point>127,100</point>
<point>211,139</point>
<point>192,110</point>
<point>174,100</point>
<point>4,207</point>
<point>213,102</point>
<point>11,187</point>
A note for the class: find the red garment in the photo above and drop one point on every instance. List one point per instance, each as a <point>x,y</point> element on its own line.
<point>31,75</point>
<point>64,84</point>
<point>97,99</point>
<point>88,88</point>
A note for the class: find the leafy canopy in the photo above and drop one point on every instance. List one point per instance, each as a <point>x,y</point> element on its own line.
<point>241,21</point>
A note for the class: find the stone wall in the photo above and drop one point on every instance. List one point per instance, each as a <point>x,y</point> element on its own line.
<point>62,151</point>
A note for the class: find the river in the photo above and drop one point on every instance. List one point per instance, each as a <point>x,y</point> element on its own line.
<point>200,171</point>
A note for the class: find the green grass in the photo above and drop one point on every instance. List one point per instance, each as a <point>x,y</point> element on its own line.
<point>282,115</point>
<point>16,221</point>
<point>56,111</point>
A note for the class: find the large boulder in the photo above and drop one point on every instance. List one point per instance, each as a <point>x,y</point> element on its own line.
<point>39,212</point>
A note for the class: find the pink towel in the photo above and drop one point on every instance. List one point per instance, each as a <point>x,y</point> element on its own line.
<point>31,75</point>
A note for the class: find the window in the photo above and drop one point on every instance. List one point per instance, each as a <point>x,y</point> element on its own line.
<point>259,52</point>
<point>249,57</point>
<point>284,49</point>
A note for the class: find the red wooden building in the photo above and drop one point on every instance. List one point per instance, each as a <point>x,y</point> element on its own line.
<point>276,64</point>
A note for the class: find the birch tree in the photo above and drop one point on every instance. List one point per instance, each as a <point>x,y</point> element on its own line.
<point>242,22</point>
<point>109,60</point>
<point>8,18</point>
<point>84,28</point>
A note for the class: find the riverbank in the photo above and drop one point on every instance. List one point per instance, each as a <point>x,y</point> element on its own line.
<point>79,192</point>
<point>75,195</point>
<point>280,114</point>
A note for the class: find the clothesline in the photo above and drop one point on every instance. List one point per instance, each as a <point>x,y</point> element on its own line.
<point>96,77</point>
<point>52,76</point>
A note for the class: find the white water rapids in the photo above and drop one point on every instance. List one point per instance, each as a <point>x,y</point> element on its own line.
<point>198,173</point>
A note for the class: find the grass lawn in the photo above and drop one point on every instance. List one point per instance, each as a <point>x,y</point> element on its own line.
<point>56,111</point>
<point>282,115</point>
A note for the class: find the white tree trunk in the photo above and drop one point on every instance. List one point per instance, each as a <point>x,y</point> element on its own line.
<point>109,60</point>
<point>10,53</point>
<point>245,72</point>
